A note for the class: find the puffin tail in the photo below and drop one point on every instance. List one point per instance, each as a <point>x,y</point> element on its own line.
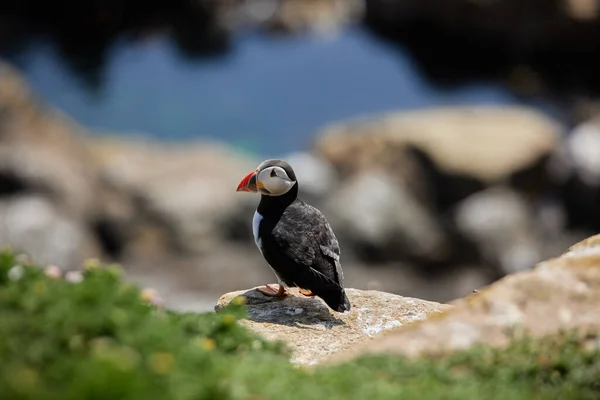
<point>337,300</point>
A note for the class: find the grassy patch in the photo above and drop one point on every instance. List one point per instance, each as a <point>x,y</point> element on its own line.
<point>98,338</point>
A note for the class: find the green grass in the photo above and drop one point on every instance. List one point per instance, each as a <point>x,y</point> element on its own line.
<point>99,339</point>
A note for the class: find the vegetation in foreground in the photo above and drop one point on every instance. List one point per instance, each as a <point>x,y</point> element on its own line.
<point>90,335</point>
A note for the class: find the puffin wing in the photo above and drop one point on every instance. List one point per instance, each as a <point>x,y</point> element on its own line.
<point>312,243</point>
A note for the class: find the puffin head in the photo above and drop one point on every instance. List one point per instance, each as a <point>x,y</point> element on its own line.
<point>271,178</point>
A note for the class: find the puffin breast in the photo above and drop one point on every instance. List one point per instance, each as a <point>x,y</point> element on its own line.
<point>255,225</point>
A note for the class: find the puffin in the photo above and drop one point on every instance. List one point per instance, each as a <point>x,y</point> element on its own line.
<point>294,237</point>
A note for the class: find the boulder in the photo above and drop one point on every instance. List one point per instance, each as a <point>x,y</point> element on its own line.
<point>44,160</point>
<point>314,332</point>
<point>188,188</point>
<point>34,225</point>
<point>317,178</point>
<point>501,223</point>
<point>577,170</point>
<point>558,295</point>
<point>400,174</point>
<point>583,149</point>
<point>42,151</point>
<point>377,217</point>
<point>486,143</point>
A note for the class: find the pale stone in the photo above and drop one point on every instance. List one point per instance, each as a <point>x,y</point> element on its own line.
<point>557,295</point>
<point>315,332</point>
<point>488,143</point>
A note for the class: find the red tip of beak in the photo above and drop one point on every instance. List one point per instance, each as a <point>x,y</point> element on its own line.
<point>245,185</point>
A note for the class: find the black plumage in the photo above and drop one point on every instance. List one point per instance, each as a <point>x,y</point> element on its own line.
<point>298,243</point>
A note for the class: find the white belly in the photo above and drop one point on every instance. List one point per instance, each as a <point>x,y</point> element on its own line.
<point>255,224</point>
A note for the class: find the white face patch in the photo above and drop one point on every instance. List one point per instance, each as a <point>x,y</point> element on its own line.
<point>255,224</point>
<point>275,180</point>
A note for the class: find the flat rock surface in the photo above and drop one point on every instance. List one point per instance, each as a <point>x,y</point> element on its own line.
<point>314,331</point>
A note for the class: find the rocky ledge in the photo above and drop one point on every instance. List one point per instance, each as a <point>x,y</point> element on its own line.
<point>315,332</point>
<point>559,294</point>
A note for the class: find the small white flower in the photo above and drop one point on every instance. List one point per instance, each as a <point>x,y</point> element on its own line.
<point>74,276</point>
<point>16,273</point>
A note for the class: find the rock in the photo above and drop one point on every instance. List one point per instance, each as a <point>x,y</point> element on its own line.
<point>578,174</point>
<point>376,216</point>
<point>558,295</point>
<point>190,188</point>
<point>322,17</point>
<point>35,226</point>
<point>314,332</point>
<point>42,151</point>
<point>317,178</point>
<point>44,154</point>
<point>500,221</point>
<point>487,143</point>
<point>400,173</point>
<point>583,147</point>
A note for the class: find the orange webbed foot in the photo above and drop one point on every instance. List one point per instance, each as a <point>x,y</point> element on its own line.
<point>268,290</point>
<point>307,292</point>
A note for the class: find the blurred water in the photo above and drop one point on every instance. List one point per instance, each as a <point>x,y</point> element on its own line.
<point>268,96</point>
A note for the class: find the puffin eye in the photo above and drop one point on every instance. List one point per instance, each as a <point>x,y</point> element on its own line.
<point>273,173</point>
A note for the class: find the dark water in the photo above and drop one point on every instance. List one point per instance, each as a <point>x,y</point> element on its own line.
<point>268,96</point>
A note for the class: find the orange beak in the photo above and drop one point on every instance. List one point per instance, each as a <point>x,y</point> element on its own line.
<point>248,184</point>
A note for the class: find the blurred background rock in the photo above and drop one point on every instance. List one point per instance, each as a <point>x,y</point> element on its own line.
<point>448,142</point>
